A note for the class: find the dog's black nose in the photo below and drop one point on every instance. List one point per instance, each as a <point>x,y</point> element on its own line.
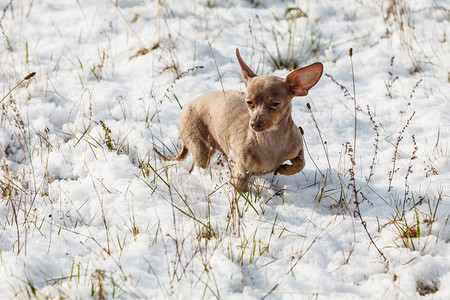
<point>257,125</point>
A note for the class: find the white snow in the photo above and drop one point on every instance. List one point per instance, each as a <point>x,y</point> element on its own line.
<point>89,211</point>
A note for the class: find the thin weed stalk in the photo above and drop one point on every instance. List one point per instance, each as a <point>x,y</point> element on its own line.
<point>357,211</point>
<point>324,143</point>
<point>26,78</point>
<point>409,171</point>
<point>396,147</point>
<point>375,152</point>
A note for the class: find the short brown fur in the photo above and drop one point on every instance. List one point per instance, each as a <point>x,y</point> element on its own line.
<point>254,129</point>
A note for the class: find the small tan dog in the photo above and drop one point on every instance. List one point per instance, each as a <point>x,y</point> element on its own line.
<point>254,129</point>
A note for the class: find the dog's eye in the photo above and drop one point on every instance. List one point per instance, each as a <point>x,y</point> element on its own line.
<point>249,102</point>
<point>275,104</point>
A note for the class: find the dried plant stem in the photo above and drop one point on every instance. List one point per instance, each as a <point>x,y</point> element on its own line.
<point>394,159</point>
<point>377,138</point>
<point>353,150</point>
<point>354,102</point>
<point>409,171</point>
<point>357,212</point>
<point>312,159</point>
<point>324,143</point>
<point>28,77</point>
<point>342,87</point>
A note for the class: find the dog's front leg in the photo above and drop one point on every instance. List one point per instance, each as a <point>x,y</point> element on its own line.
<point>241,178</point>
<point>297,165</point>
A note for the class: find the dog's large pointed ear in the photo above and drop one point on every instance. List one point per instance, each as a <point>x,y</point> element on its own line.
<point>301,80</point>
<point>246,72</point>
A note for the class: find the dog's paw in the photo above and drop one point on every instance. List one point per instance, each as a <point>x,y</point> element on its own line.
<point>281,169</point>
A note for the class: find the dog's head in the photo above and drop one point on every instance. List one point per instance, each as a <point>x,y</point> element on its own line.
<point>269,98</point>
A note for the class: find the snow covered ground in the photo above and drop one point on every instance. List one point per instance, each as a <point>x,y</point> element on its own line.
<point>88,210</point>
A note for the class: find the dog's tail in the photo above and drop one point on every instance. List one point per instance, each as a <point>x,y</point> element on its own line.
<point>182,156</point>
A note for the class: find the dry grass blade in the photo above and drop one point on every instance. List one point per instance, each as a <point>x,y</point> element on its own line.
<point>26,78</point>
